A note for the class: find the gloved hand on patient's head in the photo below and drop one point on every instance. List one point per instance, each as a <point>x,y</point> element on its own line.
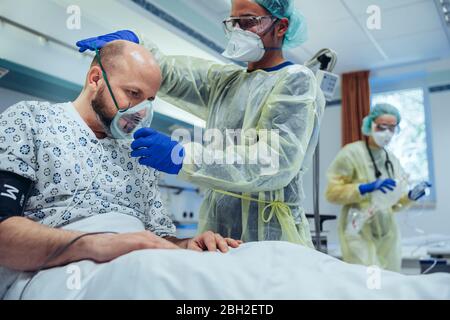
<point>158,151</point>
<point>99,42</point>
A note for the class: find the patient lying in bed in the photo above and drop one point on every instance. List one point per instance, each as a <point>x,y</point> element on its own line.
<point>259,270</point>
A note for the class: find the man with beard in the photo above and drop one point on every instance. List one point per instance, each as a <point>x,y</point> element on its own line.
<point>66,172</point>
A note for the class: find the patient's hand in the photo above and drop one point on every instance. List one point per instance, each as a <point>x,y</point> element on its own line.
<point>210,241</point>
<point>106,247</point>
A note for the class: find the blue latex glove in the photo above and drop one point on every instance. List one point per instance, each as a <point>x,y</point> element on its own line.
<point>382,185</point>
<point>419,191</point>
<point>99,42</point>
<point>155,150</point>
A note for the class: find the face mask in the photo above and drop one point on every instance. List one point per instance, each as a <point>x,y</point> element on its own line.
<point>382,138</point>
<point>125,123</point>
<point>244,46</point>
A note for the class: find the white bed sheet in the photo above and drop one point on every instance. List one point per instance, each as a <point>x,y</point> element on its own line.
<point>263,270</point>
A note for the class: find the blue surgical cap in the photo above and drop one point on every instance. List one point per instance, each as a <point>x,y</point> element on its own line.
<point>377,111</point>
<point>298,30</point>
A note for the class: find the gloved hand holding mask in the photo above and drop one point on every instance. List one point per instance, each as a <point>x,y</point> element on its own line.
<point>157,151</point>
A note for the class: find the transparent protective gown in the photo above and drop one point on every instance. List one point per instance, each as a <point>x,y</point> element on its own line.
<point>377,240</point>
<point>244,201</point>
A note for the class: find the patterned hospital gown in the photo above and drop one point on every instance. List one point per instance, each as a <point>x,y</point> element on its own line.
<point>75,174</point>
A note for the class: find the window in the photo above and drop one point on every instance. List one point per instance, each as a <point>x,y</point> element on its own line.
<point>411,145</point>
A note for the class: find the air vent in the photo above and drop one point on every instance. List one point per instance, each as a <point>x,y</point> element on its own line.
<point>3,72</point>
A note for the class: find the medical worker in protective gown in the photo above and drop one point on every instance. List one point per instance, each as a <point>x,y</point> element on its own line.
<point>369,182</point>
<point>278,106</point>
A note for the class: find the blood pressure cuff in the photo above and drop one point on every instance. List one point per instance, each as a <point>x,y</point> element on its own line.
<point>14,193</point>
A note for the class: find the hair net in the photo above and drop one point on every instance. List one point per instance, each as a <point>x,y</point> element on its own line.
<point>377,111</point>
<point>298,30</point>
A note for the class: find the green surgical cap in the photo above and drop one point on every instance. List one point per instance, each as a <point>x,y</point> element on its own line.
<point>298,30</point>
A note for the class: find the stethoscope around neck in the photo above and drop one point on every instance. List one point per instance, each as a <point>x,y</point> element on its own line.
<point>387,164</point>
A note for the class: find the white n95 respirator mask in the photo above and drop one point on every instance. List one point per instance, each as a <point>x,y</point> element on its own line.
<point>382,138</point>
<point>244,46</point>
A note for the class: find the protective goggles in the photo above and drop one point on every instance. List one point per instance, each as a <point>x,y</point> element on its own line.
<point>257,24</point>
<point>386,127</point>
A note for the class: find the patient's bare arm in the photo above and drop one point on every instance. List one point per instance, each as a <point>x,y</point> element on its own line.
<point>25,245</point>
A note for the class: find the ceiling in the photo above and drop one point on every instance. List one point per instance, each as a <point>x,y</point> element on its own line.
<point>411,31</point>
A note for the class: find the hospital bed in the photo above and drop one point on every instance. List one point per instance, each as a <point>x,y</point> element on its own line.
<point>259,270</point>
